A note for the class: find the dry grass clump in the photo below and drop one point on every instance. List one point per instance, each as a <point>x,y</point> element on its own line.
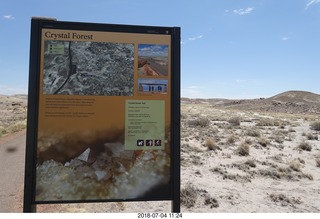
<point>272,122</point>
<point>234,121</point>
<point>253,133</point>
<point>291,130</point>
<point>278,136</point>
<point>268,122</point>
<point>188,196</point>
<point>15,127</point>
<point>243,149</point>
<point>201,121</point>
<point>295,165</point>
<point>305,146</point>
<point>284,200</point>
<point>211,144</point>
<point>212,202</point>
<point>310,136</point>
<point>248,141</point>
<point>250,163</point>
<point>263,141</point>
<point>315,126</point>
<point>318,160</point>
<point>2,131</point>
<point>231,139</point>
<point>183,116</point>
<point>18,126</point>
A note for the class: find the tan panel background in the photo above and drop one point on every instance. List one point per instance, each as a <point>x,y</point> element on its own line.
<point>107,111</point>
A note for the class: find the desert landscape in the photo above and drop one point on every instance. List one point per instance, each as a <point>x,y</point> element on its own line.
<point>259,155</point>
<point>153,66</point>
<point>251,155</point>
<point>13,111</point>
<point>152,60</point>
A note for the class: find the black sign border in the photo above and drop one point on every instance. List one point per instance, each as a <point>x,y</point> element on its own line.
<point>37,24</point>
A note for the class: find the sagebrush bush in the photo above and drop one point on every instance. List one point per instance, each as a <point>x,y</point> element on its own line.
<point>188,196</point>
<point>310,136</point>
<point>253,133</point>
<point>318,162</point>
<point>231,139</point>
<point>18,126</point>
<point>250,163</point>
<point>243,149</point>
<point>315,126</point>
<point>263,141</point>
<point>305,146</point>
<point>212,202</point>
<point>201,121</point>
<point>211,144</point>
<point>317,159</point>
<point>268,122</point>
<point>295,165</point>
<point>272,122</point>
<point>235,121</point>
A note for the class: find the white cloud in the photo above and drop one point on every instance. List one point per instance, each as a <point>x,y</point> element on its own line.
<point>311,2</point>
<point>243,11</point>
<point>241,81</point>
<point>195,38</point>
<point>8,17</point>
<point>285,38</point>
<point>194,91</point>
<point>153,50</point>
<point>192,39</point>
<point>8,90</point>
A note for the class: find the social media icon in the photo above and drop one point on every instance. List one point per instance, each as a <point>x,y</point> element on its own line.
<point>157,142</point>
<point>149,142</point>
<point>140,143</point>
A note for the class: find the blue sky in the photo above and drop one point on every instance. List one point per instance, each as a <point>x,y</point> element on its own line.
<point>229,48</point>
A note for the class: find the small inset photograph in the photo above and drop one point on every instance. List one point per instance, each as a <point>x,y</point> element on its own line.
<point>152,86</point>
<point>152,60</point>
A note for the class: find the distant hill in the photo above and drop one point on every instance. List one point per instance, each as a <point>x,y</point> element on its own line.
<point>297,97</point>
<point>301,102</point>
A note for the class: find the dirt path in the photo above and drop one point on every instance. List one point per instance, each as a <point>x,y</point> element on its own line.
<point>12,157</point>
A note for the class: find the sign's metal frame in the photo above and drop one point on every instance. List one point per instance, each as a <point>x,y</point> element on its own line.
<point>37,24</point>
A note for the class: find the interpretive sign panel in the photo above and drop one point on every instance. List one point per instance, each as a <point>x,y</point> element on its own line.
<point>103,113</point>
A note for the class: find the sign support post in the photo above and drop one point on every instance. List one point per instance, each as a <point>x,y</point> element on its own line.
<point>176,120</point>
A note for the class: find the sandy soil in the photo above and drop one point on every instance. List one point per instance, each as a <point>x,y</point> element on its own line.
<point>275,175</point>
